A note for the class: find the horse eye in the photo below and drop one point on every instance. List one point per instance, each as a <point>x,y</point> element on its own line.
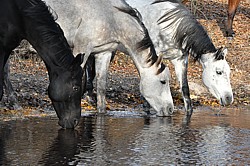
<point>163,82</point>
<point>219,72</point>
<point>75,88</point>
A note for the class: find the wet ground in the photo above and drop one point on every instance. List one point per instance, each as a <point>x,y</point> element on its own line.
<point>127,138</point>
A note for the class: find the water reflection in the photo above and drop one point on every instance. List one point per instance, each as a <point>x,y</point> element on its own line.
<point>108,140</point>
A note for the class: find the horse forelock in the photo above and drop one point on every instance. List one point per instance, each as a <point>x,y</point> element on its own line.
<point>189,34</point>
<point>146,42</point>
<point>43,19</point>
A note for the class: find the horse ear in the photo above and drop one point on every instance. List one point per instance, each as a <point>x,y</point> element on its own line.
<point>221,53</point>
<point>78,60</point>
<point>159,60</point>
<point>168,73</point>
<point>224,51</point>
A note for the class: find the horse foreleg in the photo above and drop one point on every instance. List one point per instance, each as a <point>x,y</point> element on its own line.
<point>232,7</point>
<point>181,65</point>
<point>12,97</point>
<point>102,61</point>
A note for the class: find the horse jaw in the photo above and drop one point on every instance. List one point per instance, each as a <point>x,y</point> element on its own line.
<point>156,90</point>
<point>216,77</point>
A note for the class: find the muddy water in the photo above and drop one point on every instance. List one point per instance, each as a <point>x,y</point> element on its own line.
<point>124,139</point>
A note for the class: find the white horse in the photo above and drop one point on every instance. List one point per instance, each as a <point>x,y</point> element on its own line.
<point>176,34</point>
<point>98,28</point>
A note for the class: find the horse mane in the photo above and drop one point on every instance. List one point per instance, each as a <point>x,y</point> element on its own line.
<point>146,42</point>
<point>189,34</point>
<point>49,32</point>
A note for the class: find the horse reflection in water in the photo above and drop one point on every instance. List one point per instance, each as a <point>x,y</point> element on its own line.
<point>98,28</point>
<point>88,144</point>
<point>176,34</point>
<point>31,20</point>
<point>106,140</point>
<point>103,140</point>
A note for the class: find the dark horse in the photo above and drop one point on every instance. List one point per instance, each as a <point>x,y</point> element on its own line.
<point>232,7</point>
<point>32,20</point>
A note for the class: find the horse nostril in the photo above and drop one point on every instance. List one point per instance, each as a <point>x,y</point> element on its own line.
<point>76,121</point>
<point>228,99</point>
<point>170,111</point>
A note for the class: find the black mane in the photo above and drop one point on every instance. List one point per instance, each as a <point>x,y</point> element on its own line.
<point>146,42</point>
<point>189,35</point>
<point>48,31</point>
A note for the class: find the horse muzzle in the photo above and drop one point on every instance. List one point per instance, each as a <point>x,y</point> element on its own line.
<point>68,123</point>
<point>168,111</point>
<point>226,100</point>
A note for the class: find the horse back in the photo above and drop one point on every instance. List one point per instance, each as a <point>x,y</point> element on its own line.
<point>93,22</point>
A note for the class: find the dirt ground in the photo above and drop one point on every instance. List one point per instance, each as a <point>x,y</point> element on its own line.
<point>30,79</point>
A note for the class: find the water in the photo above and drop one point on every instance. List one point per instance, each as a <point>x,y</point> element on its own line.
<point>209,139</point>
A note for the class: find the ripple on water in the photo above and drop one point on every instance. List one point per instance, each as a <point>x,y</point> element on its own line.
<point>128,138</point>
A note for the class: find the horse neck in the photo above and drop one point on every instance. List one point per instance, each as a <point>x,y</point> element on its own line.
<point>45,35</point>
<point>143,59</point>
<point>141,49</point>
<point>55,51</point>
<point>135,38</point>
<point>178,26</point>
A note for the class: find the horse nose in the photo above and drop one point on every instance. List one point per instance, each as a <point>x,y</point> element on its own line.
<point>68,124</point>
<point>228,99</point>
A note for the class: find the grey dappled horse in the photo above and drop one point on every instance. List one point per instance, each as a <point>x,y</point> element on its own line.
<point>176,34</point>
<point>31,20</point>
<point>98,28</point>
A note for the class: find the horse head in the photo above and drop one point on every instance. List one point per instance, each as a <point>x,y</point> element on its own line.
<point>154,86</point>
<point>65,90</point>
<point>216,76</point>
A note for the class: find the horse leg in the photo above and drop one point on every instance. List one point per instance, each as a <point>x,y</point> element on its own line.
<point>232,7</point>
<point>12,97</point>
<point>90,75</point>
<point>181,65</point>
<point>1,76</point>
<point>3,59</point>
<point>102,61</point>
